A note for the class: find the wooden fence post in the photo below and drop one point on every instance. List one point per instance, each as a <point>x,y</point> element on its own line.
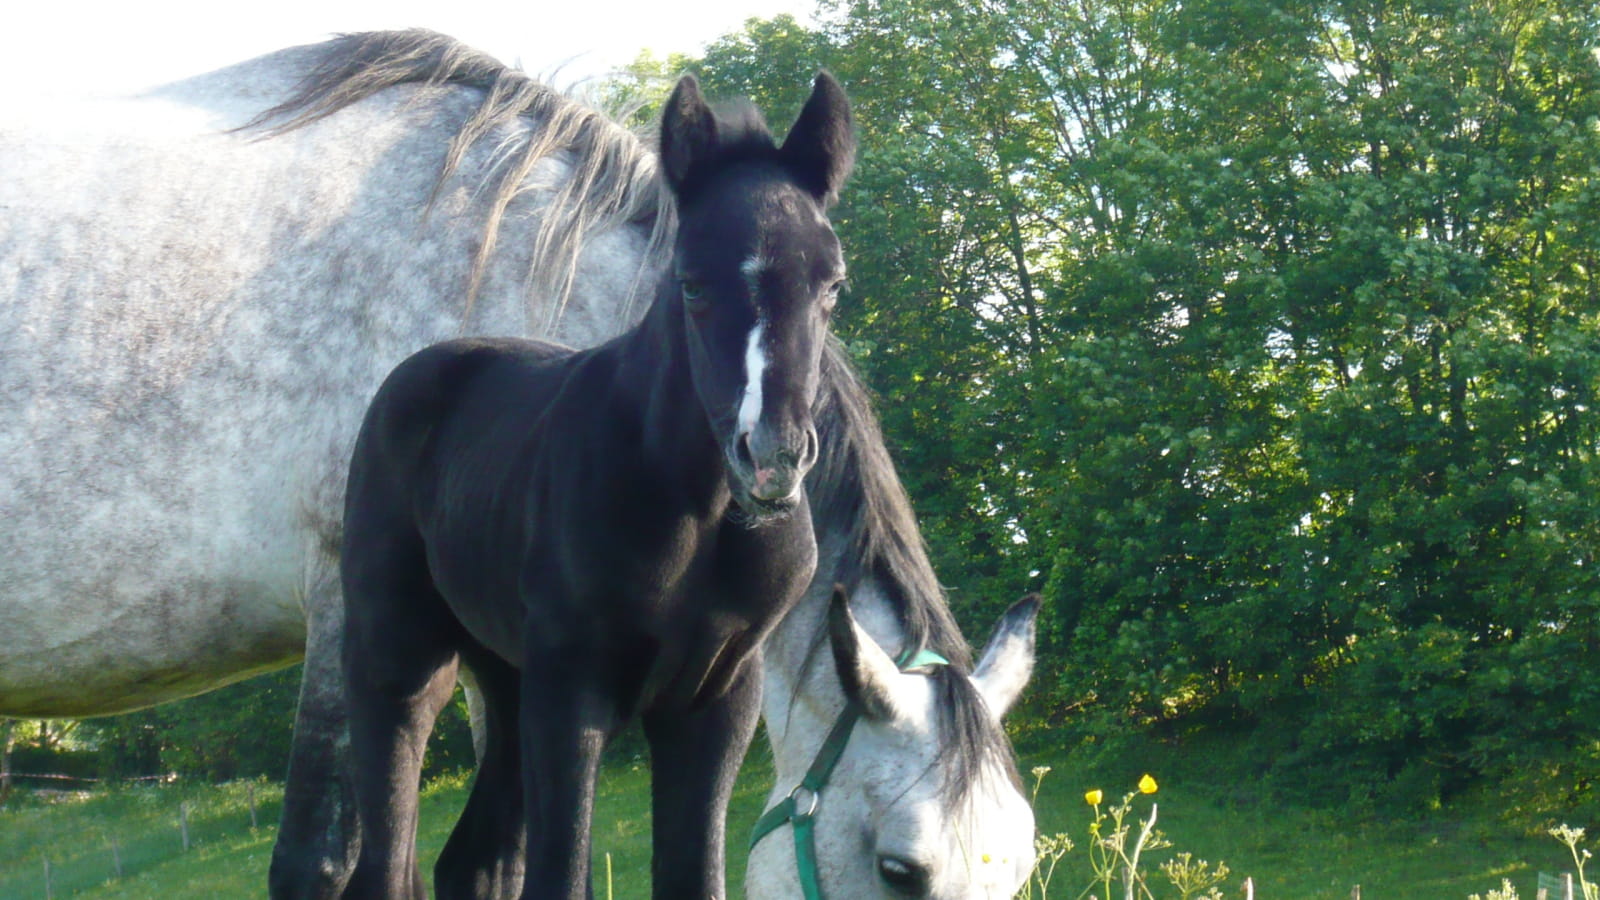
<point>1566,877</point>
<point>7,727</point>
<point>250,794</point>
<point>48,894</point>
<point>1355,893</point>
<point>1249,889</point>
<point>183,823</point>
<point>116,857</point>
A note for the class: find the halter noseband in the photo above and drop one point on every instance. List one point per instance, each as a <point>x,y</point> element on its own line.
<point>800,807</point>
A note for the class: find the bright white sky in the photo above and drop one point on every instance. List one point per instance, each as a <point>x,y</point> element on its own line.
<point>111,46</point>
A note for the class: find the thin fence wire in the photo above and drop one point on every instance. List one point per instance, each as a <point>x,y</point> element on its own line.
<point>131,830</point>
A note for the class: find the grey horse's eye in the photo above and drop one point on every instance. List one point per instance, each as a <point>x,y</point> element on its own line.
<point>903,876</point>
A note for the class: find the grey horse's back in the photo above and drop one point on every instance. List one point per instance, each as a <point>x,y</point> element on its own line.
<point>191,319</point>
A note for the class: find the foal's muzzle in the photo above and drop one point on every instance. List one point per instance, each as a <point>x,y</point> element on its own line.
<point>769,470</point>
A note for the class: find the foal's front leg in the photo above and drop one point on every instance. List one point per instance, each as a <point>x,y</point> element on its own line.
<point>566,719</point>
<point>695,757</point>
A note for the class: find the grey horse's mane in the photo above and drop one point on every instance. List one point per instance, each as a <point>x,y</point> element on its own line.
<point>854,488</point>
<point>613,179</point>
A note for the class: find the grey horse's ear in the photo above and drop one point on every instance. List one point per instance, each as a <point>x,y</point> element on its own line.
<point>1007,660</point>
<point>866,673</point>
<point>821,147</point>
<point>688,132</point>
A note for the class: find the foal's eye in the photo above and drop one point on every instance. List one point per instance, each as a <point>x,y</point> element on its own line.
<point>694,295</point>
<point>831,296</point>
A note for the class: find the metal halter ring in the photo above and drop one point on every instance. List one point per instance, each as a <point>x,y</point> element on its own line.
<point>816,797</point>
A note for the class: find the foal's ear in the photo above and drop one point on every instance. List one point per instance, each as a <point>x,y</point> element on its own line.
<point>1007,661</point>
<point>821,147</point>
<point>688,131</point>
<point>866,673</point>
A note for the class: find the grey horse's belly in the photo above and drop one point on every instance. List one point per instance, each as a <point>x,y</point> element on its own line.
<point>120,653</point>
<point>125,585</point>
<point>154,544</point>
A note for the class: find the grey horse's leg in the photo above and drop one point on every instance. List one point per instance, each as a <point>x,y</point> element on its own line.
<point>477,712</point>
<point>319,837</point>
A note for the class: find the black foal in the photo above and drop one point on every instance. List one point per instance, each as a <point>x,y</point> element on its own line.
<point>602,534</point>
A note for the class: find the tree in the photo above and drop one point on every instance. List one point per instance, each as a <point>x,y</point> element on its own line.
<point>1262,335</point>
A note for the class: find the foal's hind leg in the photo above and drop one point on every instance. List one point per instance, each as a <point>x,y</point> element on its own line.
<point>483,860</point>
<point>400,669</point>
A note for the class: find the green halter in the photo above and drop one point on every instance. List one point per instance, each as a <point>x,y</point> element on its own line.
<point>800,807</point>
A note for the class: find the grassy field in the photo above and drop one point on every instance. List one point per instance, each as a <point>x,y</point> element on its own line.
<point>1299,854</point>
<point>1291,854</point>
<point>228,859</point>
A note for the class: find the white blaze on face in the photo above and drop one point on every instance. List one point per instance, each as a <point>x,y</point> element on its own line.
<point>755,359</point>
<point>755,363</point>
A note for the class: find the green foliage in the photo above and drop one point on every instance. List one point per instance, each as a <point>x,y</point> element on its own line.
<point>239,731</point>
<point>1262,336</point>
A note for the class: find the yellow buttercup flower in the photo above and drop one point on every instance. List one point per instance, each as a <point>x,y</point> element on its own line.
<point>1147,785</point>
<point>1094,797</point>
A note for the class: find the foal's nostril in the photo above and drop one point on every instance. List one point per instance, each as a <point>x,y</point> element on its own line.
<point>809,456</point>
<point>903,876</point>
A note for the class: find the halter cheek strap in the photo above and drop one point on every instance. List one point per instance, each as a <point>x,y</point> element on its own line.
<point>799,809</point>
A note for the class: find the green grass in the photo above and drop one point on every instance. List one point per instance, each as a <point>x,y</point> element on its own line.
<point>228,859</point>
<point>1292,854</point>
<point>77,833</point>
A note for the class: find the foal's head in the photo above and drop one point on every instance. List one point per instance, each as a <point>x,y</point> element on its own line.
<point>757,271</point>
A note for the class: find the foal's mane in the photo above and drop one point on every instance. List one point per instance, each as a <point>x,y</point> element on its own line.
<point>854,488</point>
<point>613,179</point>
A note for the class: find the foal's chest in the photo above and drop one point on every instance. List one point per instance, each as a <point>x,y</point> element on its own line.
<point>686,615</point>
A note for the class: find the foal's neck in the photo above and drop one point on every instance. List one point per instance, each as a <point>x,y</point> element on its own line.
<point>656,384</point>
